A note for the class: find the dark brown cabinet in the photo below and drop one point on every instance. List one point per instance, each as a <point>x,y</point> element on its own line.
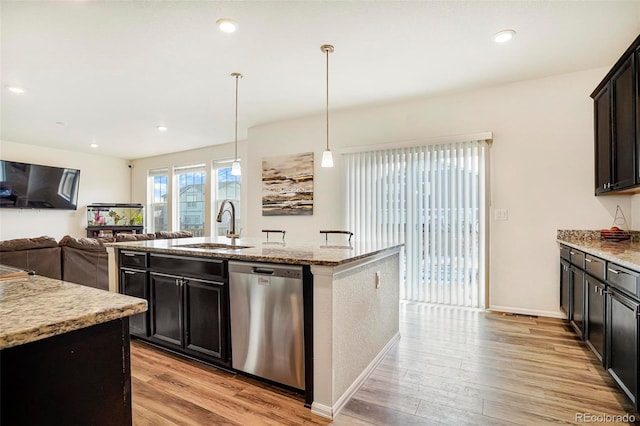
<point>623,325</point>
<point>577,300</point>
<point>595,316</point>
<point>189,314</point>
<point>616,126</point>
<point>565,288</point>
<point>166,308</point>
<point>603,146</point>
<point>133,282</point>
<point>205,318</point>
<point>188,303</point>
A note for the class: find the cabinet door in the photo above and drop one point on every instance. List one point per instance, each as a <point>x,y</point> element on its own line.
<point>577,300</point>
<point>602,123</point>
<point>166,308</point>
<point>594,329</point>
<point>134,283</point>
<point>622,342</point>
<point>623,104</point>
<point>565,289</point>
<point>205,311</point>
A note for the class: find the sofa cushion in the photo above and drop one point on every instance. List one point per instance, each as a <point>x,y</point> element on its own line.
<point>176,234</point>
<point>134,237</point>
<point>28,243</point>
<point>90,244</point>
<point>40,254</point>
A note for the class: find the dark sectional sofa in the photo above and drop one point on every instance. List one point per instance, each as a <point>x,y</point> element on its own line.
<point>77,260</point>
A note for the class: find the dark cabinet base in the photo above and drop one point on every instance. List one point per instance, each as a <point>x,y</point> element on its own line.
<point>82,377</point>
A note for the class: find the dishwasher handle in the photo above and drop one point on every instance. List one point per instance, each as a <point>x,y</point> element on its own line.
<point>262,270</point>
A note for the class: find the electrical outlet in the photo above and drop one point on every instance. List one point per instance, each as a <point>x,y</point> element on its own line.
<point>501,214</point>
<point>378,279</point>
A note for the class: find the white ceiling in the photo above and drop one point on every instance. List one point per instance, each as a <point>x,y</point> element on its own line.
<point>113,71</point>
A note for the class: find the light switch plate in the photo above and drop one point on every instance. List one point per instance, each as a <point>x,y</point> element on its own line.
<point>501,214</point>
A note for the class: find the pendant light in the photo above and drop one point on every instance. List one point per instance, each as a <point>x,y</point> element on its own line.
<point>327,157</point>
<point>235,167</point>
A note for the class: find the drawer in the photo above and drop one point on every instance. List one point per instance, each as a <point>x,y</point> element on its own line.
<point>623,279</point>
<point>595,266</point>
<point>187,266</point>
<point>564,252</point>
<point>134,259</point>
<point>577,258</point>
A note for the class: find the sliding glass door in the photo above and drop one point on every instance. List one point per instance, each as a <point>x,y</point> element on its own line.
<point>432,199</point>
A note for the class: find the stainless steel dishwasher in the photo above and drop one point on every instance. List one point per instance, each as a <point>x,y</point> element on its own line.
<point>267,325</point>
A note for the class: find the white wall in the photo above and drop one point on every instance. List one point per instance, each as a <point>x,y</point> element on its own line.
<point>102,180</point>
<point>542,172</point>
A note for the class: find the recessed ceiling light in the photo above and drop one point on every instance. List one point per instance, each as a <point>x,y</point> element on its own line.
<point>504,36</point>
<point>15,89</point>
<point>227,25</point>
<point>162,128</point>
<point>94,145</point>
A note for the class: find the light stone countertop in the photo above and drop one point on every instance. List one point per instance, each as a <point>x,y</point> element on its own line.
<point>35,307</point>
<point>259,250</point>
<point>624,253</point>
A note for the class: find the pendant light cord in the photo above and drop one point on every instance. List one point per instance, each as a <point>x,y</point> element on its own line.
<point>236,130</point>
<point>327,104</point>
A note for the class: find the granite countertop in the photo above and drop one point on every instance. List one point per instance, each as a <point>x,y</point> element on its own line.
<point>624,253</point>
<point>260,250</point>
<point>35,307</point>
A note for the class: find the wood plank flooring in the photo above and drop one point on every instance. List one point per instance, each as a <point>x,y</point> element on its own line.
<point>452,366</point>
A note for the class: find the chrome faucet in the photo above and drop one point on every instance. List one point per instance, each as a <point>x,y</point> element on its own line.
<point>232,229</point>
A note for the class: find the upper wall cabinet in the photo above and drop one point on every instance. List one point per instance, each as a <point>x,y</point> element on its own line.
<point>616,122</point>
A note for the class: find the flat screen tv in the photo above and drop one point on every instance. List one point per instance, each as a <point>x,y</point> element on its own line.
<point>32,186</point>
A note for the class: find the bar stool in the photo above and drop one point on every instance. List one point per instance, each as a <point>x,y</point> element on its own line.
<point>327,232</point>
<point>274,231</point>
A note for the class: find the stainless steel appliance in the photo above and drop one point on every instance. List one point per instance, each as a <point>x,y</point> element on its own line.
<point>267,325</point>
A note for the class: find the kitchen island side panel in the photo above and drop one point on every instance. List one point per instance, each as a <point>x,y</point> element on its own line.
<point>366,318</point>
<point>355,323</point>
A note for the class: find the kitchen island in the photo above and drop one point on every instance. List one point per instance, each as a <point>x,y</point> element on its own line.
<point>64,353</point>
<point>351,301</point>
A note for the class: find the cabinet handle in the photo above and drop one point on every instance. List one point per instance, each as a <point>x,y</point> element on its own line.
<point>613,271</point>
<point>128,254</point>
<point>129,272</point>
<point>588,260</point>
<point>603,292</point>
<point>572,253</point>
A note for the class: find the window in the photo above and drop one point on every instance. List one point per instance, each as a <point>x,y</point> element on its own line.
<point>226,186</point>
<point>179,200</point>
<point>191,189</point>
<point>432,199</point>
<point>158,186</point>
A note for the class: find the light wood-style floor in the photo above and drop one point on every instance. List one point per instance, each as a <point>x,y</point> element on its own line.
<point>452,366</point>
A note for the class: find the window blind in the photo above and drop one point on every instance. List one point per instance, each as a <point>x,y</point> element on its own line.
<point>432,199</point>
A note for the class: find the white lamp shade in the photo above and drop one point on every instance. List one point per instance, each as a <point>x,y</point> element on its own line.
<point>235,169</point>
<point>327,159</point>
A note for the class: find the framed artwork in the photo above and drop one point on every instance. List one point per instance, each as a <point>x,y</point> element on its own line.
<point>287,185</point>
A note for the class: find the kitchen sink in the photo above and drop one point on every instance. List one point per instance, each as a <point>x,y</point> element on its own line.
<point>215,246</point>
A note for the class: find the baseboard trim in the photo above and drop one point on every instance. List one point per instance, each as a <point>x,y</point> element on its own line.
<point>321,410</point>
<point>346,396</point>
<point>538,313</point>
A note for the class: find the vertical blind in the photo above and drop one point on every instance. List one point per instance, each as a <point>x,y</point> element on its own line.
<point>432,199</point>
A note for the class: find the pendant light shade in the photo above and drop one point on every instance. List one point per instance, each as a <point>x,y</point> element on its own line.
<point>327,157</point>
<point>235,167</point>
